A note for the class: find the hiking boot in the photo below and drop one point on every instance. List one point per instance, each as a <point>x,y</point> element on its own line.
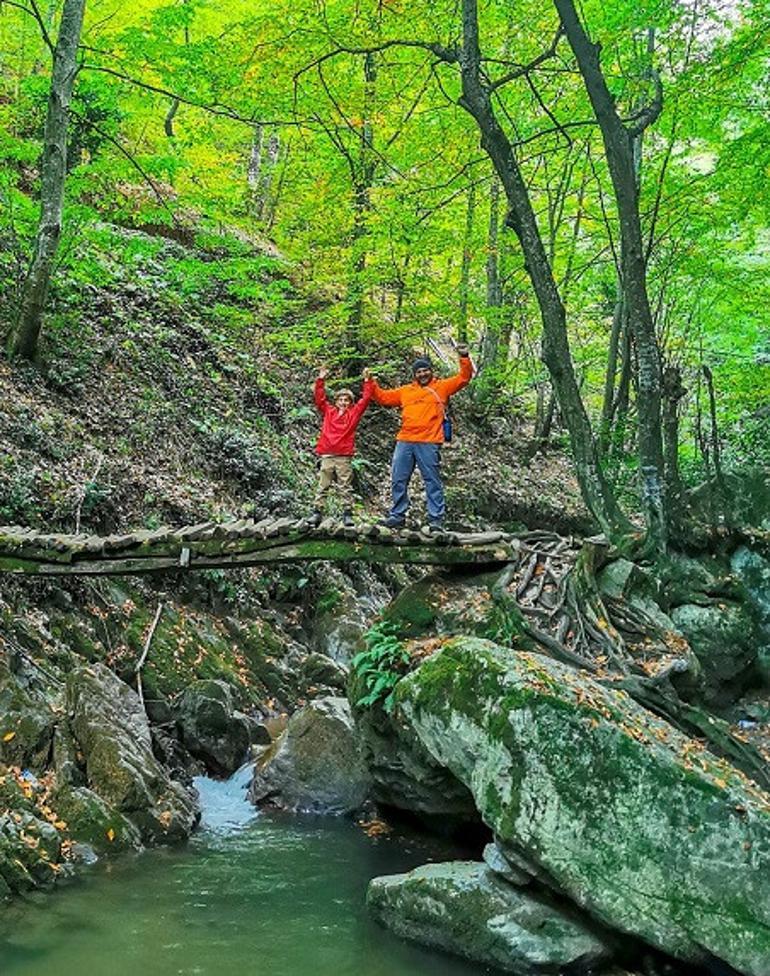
<point>393,522</point>
<point>436,525</point>
<point>315,519</point>
<point>347,520</point>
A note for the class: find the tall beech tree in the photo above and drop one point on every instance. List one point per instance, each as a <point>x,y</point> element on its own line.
<point>53,172</point>
<point>620,149</point>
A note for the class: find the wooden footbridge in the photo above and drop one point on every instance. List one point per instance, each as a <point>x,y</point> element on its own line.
<point>231,545</point>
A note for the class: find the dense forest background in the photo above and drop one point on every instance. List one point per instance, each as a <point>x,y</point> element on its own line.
<point>579,193</point>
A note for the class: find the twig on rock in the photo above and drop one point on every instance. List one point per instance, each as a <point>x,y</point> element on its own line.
<point>145,652</point>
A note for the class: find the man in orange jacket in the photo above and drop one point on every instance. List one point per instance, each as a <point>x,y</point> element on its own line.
<point>418,442</point>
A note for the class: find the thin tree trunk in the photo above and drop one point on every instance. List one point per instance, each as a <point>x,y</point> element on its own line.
<point>465,267</point>
<point>255,159</point>
<point>609,402</point>
<point>25,337</point>
<point>716,451</point>
<point>168,122</point>
<point>673,391</point>
<point>477,100</point>
<point>619,149</point>
<point>362,187</point>
<point>493,355</point>
<point>267,172</point>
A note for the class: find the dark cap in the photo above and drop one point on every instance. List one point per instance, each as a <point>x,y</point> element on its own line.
<point>422,362</point>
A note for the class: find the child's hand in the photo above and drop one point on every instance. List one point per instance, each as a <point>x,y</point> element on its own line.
<point>323,372</point>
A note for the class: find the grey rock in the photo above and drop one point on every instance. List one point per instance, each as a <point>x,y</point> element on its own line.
<point>464,908</point>
<point>316,764</point>
<point>724,639</point>
<point>496,860</point>
<point>319,669</point>
<point>211,726</point>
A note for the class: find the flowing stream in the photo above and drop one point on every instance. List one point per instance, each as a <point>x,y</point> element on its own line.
<point>250,894</point>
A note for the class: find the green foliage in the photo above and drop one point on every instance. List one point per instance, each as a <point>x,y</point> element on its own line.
<point>381,665</point>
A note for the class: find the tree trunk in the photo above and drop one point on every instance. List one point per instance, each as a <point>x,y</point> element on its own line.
<point>619,150</point>
<point>490,344</point>
<point>255,158</point>
<point>465,267</point>
<point>168,122</point>
<point>476,99</point>
<point>24,338</point>
<point>673,391</point>
<point>363,181</point>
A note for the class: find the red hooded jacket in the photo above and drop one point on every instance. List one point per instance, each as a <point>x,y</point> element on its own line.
<point>338,430</point>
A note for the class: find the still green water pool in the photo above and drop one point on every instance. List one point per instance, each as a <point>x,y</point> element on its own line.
<point>250,895</point>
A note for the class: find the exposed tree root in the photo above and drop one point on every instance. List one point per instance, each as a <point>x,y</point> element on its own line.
<point>619,642</point>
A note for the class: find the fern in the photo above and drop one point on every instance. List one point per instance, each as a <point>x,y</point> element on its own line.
<point>381,665</point>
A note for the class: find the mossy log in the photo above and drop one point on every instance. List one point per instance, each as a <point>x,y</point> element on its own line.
<point>239,544</point>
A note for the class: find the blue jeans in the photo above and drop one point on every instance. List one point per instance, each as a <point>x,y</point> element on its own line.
<point>427,458</point>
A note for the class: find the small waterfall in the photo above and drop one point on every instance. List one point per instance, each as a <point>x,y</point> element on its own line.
<point>224,804</point>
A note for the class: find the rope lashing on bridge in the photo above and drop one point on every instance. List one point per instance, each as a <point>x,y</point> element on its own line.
<point>211,545</point>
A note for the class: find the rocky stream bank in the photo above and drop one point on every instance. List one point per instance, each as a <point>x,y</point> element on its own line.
<point>606,834</point>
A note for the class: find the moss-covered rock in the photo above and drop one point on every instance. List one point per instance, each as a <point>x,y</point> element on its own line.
<point>111,732</point>
<point>404,774</point>
<point>30,706</point>
<point>753,570</point>
<point>316,764</point>
<point>444,604</point>
<point>614,808</point>
<point>724,638</point>
<point>463,908</point>
<point>90,820</point>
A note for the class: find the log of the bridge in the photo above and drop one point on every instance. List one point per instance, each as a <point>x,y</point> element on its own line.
<point>239,544</point>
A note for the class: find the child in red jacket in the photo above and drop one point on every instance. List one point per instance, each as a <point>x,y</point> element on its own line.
<point>336,444</point>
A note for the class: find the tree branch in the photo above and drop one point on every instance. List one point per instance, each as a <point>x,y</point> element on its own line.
<point>524,69</point>
<point>649,114</point>
<point>36,16</point>
<point>215,109</point>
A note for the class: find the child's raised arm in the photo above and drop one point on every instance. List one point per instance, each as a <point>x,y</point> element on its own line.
<point>319,390</point>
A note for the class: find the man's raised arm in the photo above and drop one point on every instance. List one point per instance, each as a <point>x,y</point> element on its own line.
<point>464,376</point>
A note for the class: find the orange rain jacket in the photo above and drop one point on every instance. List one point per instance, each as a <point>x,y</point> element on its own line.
<point>422,407</point>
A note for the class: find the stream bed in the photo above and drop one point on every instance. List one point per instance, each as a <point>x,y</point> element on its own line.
<point>250,894</point>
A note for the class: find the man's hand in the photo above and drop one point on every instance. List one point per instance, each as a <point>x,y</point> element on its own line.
<point>367,374</point>
<point>462,350</point>
<point>323,372</point>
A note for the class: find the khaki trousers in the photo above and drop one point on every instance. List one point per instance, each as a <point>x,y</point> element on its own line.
<point>335,468</point>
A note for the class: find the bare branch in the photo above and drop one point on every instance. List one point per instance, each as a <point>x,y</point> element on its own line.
<point>524,69</point>
<point>36,15</point>
<point>134,162</point>
<point>212,109</point>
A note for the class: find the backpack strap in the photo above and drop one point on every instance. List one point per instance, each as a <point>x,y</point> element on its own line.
<point>443,404</point>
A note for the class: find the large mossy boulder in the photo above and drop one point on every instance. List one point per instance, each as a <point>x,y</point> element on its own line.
<point>316,765</point>
<point>464,908</point>
<point>212,727</point>
<point>614,808</point>
<point>112,735</point>
<point>91,820</point>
